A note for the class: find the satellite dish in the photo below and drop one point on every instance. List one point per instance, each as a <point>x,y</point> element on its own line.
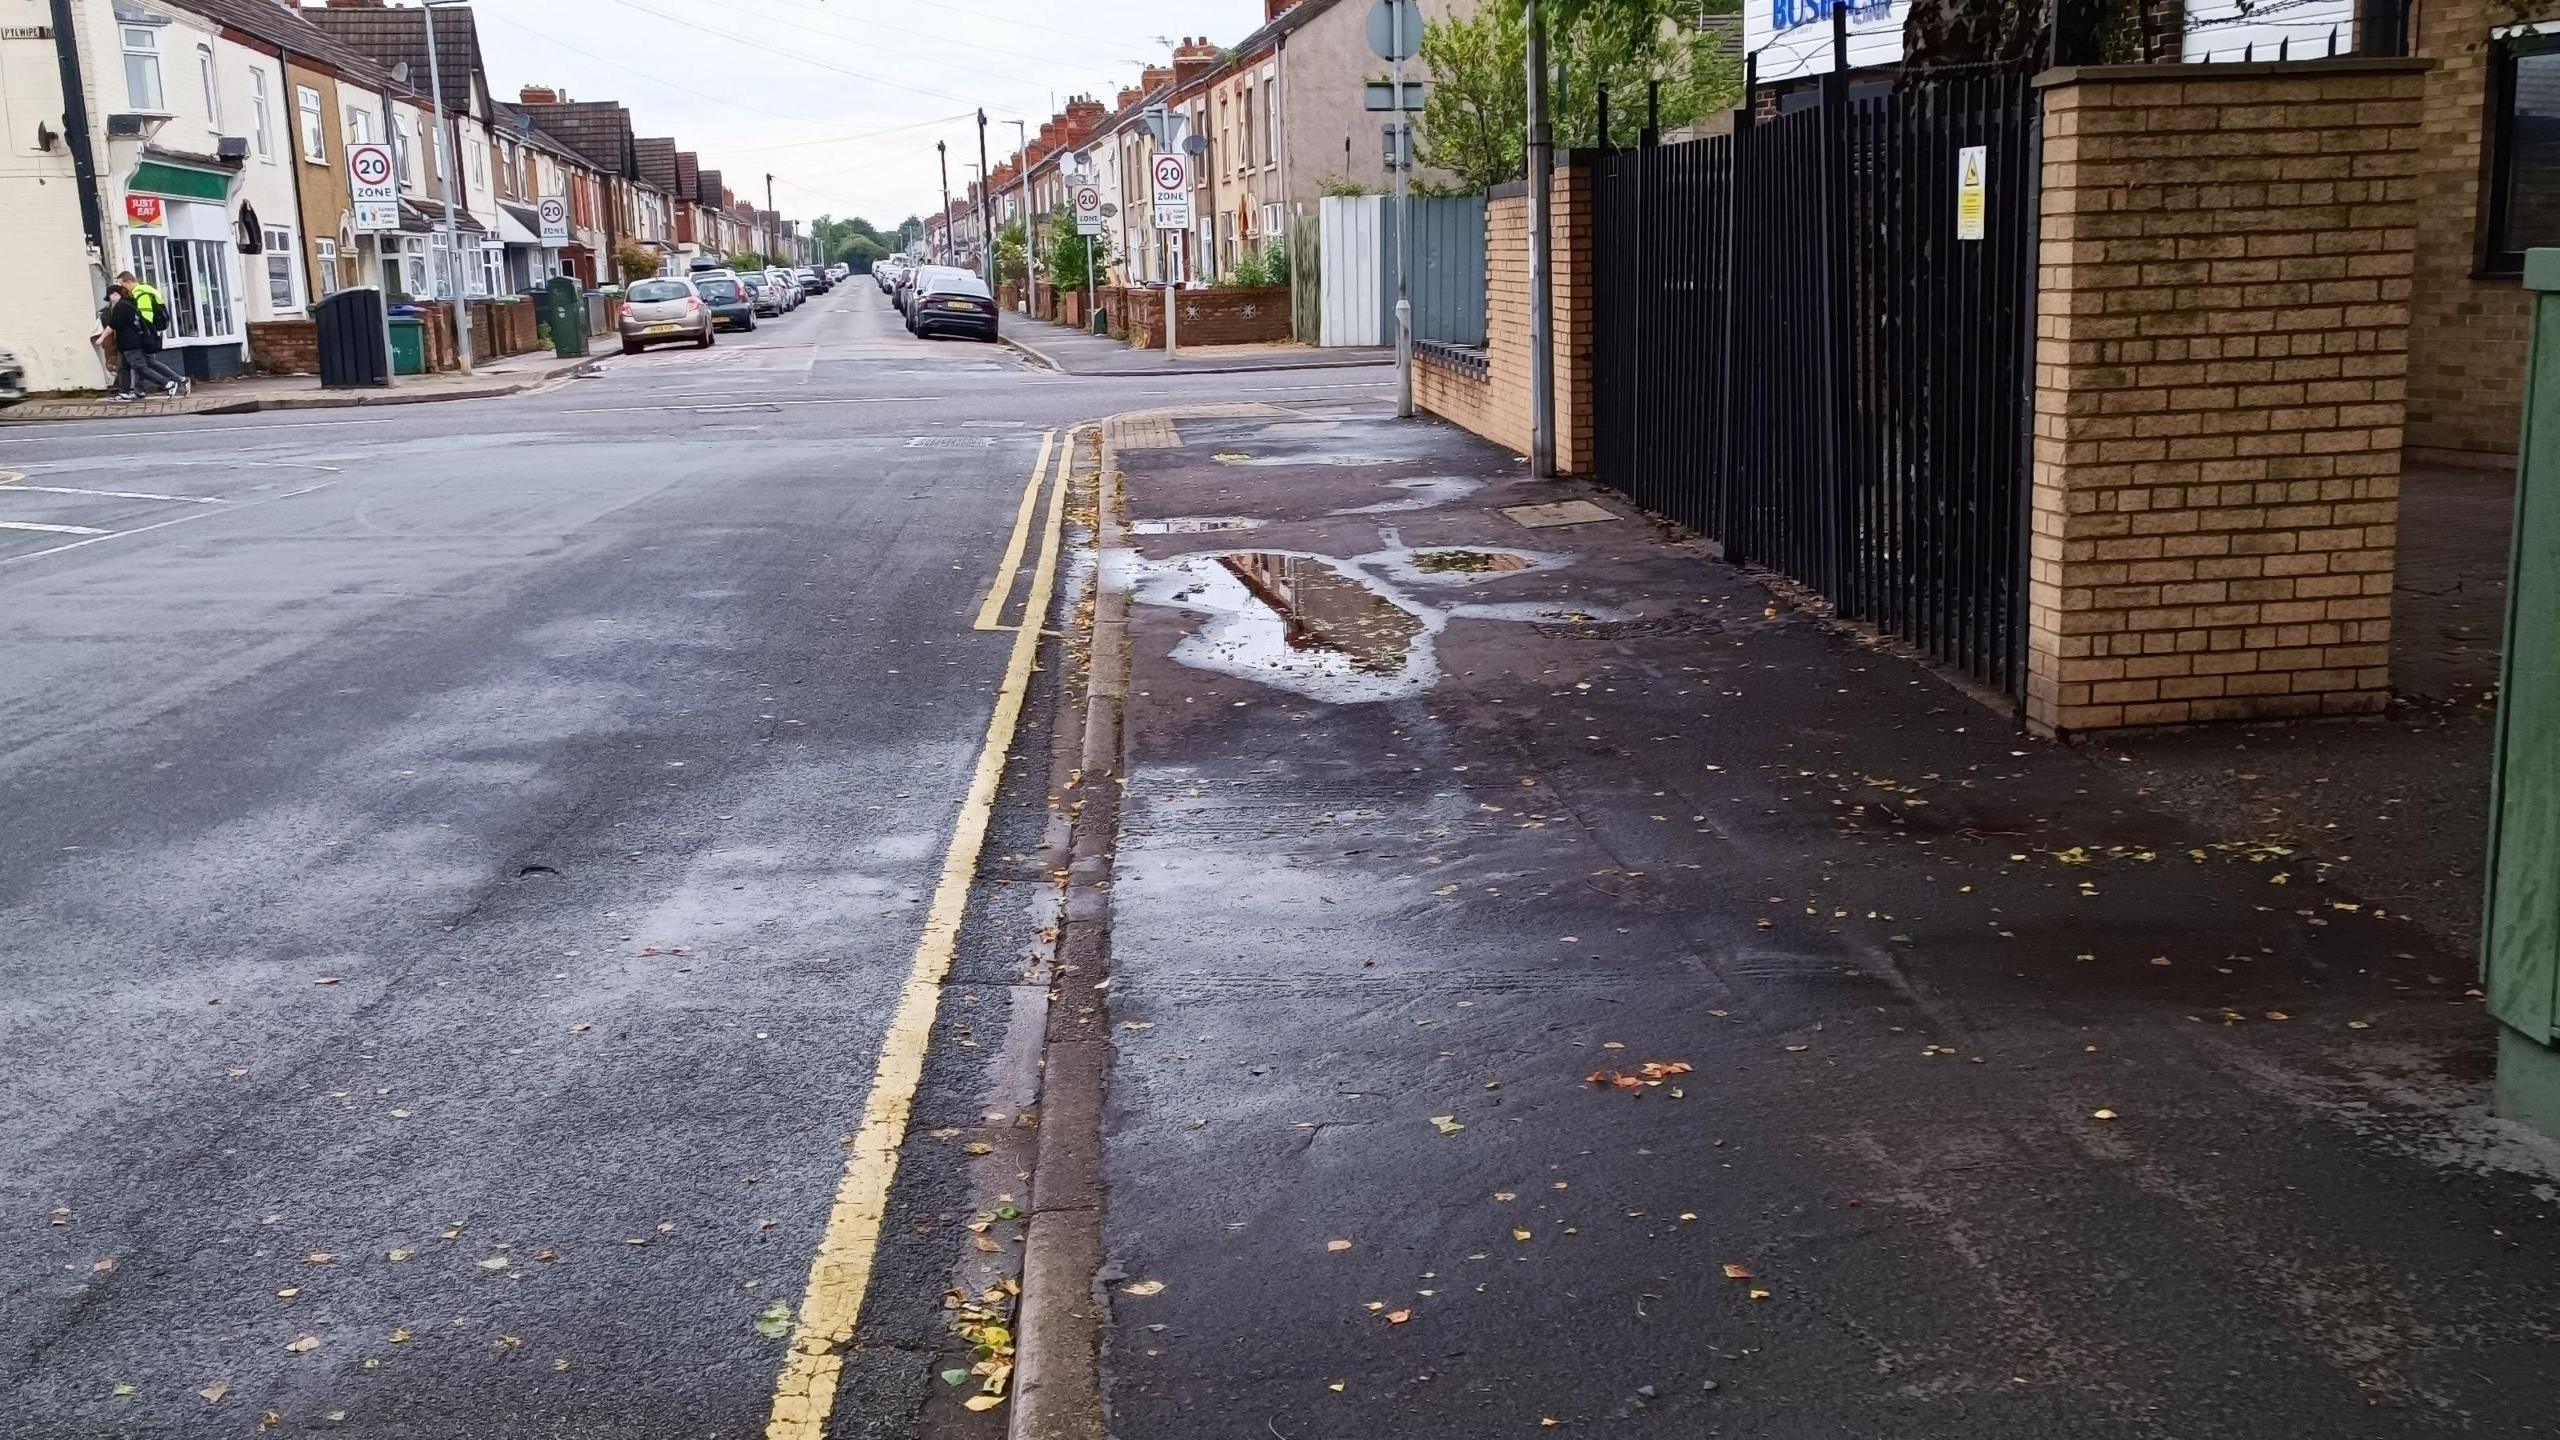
<point>1195,145</point>
<point>400,72</point>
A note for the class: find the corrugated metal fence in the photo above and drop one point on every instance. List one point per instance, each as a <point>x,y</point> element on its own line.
<point>1446,283</point>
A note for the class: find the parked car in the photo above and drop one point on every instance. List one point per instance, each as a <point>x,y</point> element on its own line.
<point>665,309</point>
<point>944,301</point>
<point>700,263</point>
<point>13,378</point>
<point>789,283</point>
<point>903,288</point>
<point>885,274</point>
<point>726,297</point>
<point>762,292</point>
<point>817,282</point>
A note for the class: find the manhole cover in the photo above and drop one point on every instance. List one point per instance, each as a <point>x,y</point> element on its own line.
<point>1563,512</point>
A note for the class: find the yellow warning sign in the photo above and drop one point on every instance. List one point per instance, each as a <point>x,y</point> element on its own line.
<point>1970,191</point>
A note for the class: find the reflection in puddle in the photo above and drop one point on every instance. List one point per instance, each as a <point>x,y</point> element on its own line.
<point>1308,624</point>
<point>1320,627</point>
<point>1423,492</point>
<point>1446,565</point>
<point>1193,525</point>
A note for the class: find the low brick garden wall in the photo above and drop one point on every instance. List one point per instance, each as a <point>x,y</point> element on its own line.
<point>1217,315</point>
<point>284,347</point>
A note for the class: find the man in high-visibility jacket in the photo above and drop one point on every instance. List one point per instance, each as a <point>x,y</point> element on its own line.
<point>154,307</point>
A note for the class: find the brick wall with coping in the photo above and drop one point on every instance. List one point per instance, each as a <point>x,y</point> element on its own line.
<point>2466,330</point>
<point>1213,315</point>
<point>2221,354</point>
<point>1495,404</point>
<point>284,347</point>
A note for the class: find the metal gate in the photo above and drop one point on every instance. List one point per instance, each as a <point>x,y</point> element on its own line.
<point>1798,356</point>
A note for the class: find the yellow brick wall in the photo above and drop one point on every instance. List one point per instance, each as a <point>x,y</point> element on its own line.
<point>2466,333</point>
<point>1497,407</point>
<point>2221,362</point>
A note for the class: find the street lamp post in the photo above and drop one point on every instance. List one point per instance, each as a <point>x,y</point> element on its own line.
<point>1022,185</point>
<point>986,211</point>
<point>942,154</point>
<point>448,168</point>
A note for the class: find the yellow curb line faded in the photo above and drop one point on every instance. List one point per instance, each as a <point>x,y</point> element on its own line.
<point>999,590</point>
<point>805,1392</point>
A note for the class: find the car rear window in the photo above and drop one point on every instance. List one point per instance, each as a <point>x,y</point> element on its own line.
<point>752,282</point>
<point>718,292</point>
<point>648,290</point>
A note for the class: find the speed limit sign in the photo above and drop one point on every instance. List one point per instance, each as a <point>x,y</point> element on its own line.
<point>1173,192</point>
<point>373,191</point>
<point>1088,207</point>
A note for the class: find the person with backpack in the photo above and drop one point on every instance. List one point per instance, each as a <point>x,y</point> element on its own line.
<point>152,309</point>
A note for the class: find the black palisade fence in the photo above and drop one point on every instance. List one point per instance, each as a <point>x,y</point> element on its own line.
<point>1800,356</point>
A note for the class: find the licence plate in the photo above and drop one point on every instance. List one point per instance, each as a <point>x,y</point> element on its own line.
<point>960,304</point>
<point>664,329</point>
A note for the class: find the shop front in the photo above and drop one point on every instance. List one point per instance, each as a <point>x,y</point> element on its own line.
<point>179,239</point>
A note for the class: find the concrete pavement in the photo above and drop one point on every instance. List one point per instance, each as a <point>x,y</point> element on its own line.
<point>1555,985</point>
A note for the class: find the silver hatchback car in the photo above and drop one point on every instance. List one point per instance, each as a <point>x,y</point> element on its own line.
<point>655,312</point>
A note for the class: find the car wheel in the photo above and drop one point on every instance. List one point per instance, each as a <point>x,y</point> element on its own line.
<point>629,348</point>
<point>709,338</point>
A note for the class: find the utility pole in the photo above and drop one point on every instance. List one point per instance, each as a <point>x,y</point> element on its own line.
<point>448,166</point>
<point>76,136</point>
<point>775,211</point>
<point>986,210</point>
<point>942,156</point>
<point>1541,161</point>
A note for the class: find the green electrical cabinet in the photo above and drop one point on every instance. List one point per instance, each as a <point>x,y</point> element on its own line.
<point>2520,935</point>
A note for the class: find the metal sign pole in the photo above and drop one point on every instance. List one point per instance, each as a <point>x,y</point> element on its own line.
<point>1404,222</point>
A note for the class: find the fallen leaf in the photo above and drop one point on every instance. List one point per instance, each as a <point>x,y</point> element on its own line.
<point>288,1292</point>
<point>1737,1272</point>
<point>1336,1387</point>
<point>955,1377</point>
<point>2359,1024</point>
<point>1447,1124</point>
<point>774,1322</point>
<point>326,980</point>
<point>1520,1235</point>
<point>983,1402</point>
<point>978,1147</point>
<point>2278,1015</point>
<point>304,1345</point>
<point>396,1256</point>
<point>494,1262</point>
<point>2102,1114</point>
<point>321,1257</point>
<point>400,1335</point>
<point>103,1266</point>
<point>1337,1245</point>
<point>1759,1294</point>
<point>1143,1288</point>
<point>1398,1317</point>
<point>214,1392</point>
<point>124,1387</point>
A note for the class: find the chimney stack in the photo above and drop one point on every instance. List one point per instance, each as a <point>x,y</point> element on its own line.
<point>541,95</point>
<point>1194,57</point>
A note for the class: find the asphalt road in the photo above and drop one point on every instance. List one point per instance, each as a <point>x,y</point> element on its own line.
<point>456,864</point>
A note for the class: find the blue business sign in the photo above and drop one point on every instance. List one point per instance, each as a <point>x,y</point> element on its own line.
<point>1785,15</point>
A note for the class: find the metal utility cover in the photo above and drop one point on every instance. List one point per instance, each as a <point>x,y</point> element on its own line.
<point>1562,512</point>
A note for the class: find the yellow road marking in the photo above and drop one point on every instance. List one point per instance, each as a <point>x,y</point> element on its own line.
<point>805,1392</point>
<point>991,609</point>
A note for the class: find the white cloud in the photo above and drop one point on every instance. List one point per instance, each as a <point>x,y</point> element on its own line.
<point>840,100</point>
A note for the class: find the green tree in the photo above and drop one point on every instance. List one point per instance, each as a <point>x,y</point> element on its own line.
<point>1009,252</point>
<point>862,252</point>
<point>1065,265</point>
<point>635,261</point>
<point>1475,116</point>
<point>910,230</point>
<point>747,260</point>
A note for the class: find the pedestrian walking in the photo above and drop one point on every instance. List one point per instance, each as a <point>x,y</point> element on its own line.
<point>121,324</point>
<point>153,308</point>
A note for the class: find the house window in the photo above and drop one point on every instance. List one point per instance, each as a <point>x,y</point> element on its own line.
<point>493,270</point>
<point>401,152</point>
<point>279,258</point>
<point>212,88</point>
<point>2524,189</point>
<point>1244,119</point>
<point>141,68</point>
<point>1270,122</point>
<point>258,114</point>
<point>327,251</point>
<point>315,140</point>
<point>359,126</point>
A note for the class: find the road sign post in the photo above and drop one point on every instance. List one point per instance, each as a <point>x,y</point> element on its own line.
<point>1170,188</point>
<point>1395,32</point>
<point>1088,207</point>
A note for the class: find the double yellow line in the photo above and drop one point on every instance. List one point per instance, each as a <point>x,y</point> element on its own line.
<point>805,1392</point>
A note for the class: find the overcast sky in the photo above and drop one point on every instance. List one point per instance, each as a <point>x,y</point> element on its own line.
<point>842,100</point>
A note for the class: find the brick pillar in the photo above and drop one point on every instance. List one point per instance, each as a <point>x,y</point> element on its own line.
<point>1569,210</point>
<point>2221,360</point>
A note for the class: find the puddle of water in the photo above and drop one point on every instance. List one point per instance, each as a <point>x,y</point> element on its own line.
<point>1424,492</point>
<point>1325,628</point>
<point>1308,624</point>
<point>1193,525</point>
<point>1444,565</point>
